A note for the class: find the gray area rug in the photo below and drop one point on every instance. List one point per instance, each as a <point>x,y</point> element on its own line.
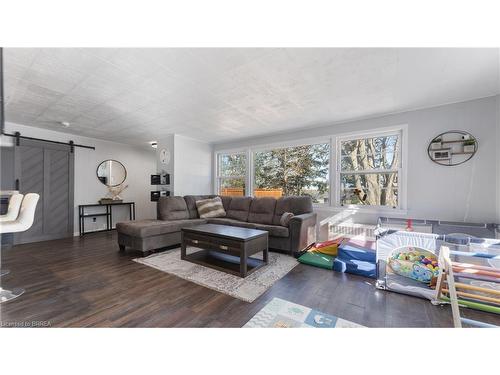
<point>246,289</point>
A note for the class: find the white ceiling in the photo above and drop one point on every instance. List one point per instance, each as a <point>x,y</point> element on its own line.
<point>137,95</point>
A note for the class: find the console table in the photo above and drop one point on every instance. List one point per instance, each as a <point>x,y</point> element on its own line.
<point>108,213</point>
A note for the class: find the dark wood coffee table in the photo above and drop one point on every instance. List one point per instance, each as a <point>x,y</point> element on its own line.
<point>225,248</point>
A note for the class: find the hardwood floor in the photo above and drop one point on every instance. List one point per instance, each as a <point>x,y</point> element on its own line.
<point>87,283</point>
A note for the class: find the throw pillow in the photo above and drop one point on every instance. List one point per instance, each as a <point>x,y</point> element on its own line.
<point>210,208</point>
<point>285,219</point>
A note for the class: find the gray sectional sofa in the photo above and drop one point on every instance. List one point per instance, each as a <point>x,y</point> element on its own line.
<point>174,213</point>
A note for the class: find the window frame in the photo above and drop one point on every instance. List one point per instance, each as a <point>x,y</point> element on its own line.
<point>401,132</point>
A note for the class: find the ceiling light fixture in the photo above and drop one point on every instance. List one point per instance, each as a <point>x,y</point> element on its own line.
<point>154,144</point>
<point>65,124</point>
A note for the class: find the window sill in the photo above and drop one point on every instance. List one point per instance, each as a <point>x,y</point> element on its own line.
<point>380,211</point>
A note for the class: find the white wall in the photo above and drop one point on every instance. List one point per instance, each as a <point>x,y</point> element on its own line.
<point>168,144</point>
<point>498,159</point>
<point>461,193</point>
<point>139,162</point>
<point>190,165</point>
<point>193,166</point>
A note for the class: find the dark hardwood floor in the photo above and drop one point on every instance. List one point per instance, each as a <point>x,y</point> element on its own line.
<point>87,283</point>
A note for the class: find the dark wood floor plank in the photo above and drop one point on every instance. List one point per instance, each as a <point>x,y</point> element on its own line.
<point>77,282</point>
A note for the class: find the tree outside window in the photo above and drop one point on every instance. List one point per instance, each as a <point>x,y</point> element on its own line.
<point>369,171</point>
<point>231,171</point>
<point>299,170</point>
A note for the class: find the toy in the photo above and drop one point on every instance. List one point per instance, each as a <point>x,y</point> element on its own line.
<point>485,299</point>
<point>327,247</point>
<point>414,263</point>
<point>313,258</point>
<point>393,233</point>
<point>357,257</point>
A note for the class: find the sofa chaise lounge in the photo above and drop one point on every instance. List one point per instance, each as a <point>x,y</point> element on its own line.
<point>174,213</point>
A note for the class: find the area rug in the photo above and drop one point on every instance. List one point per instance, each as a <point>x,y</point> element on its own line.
<point>246,289</point>
<point>284,314</point>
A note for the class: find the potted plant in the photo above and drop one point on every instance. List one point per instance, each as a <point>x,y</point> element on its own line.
<point>436,143</point>
<point>469,146</point>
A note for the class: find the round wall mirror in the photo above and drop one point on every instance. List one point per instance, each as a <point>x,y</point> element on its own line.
<point>111,173</point>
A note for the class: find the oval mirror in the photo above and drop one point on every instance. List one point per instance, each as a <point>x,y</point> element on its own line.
<point>111,172</point>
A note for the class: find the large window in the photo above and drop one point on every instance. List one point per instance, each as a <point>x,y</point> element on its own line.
<point>231,174</point>
<point>363,170</point>
<point>369,170</point>
<point>299,170</point>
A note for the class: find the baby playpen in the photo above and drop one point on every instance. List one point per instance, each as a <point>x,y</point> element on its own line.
<point>408,261</point>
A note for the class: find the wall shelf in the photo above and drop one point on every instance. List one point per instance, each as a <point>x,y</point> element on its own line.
<point>462,153</point>
<point>451,148</point>
<point>441,149</point>
<point>457,141</point>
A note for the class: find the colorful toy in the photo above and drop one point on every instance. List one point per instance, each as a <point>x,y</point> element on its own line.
<point>414,263</point>
<point>464,239</point>
<point>460,294</point>
<point>313,258</point>
<point>327,247</point>
<point>357,257</point>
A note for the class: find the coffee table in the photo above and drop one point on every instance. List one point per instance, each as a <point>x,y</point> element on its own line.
<point>225,248</point>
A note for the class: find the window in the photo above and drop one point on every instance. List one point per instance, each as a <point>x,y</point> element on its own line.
<point>369,170</point>
<point>299,170</point>
<point>231,174</point>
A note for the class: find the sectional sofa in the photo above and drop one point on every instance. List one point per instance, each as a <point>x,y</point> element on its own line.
<point>174,213</point>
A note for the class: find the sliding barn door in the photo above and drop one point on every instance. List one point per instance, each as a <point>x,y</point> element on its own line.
<point>46,169</point>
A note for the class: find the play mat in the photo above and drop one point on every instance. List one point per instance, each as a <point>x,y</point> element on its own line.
<point>279,313</point>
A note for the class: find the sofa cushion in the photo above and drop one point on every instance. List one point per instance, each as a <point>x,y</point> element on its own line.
<point>232,222</point>
<point>293,204</point>
<point>226,200</point>
<point>262,210</point>
<point>172,208</point>
<point>210,208</point>
<point>285,219</point>
<point>191,204</point>
<point>238,208</point>
<point>274,230</point>
<point>148,228</point>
